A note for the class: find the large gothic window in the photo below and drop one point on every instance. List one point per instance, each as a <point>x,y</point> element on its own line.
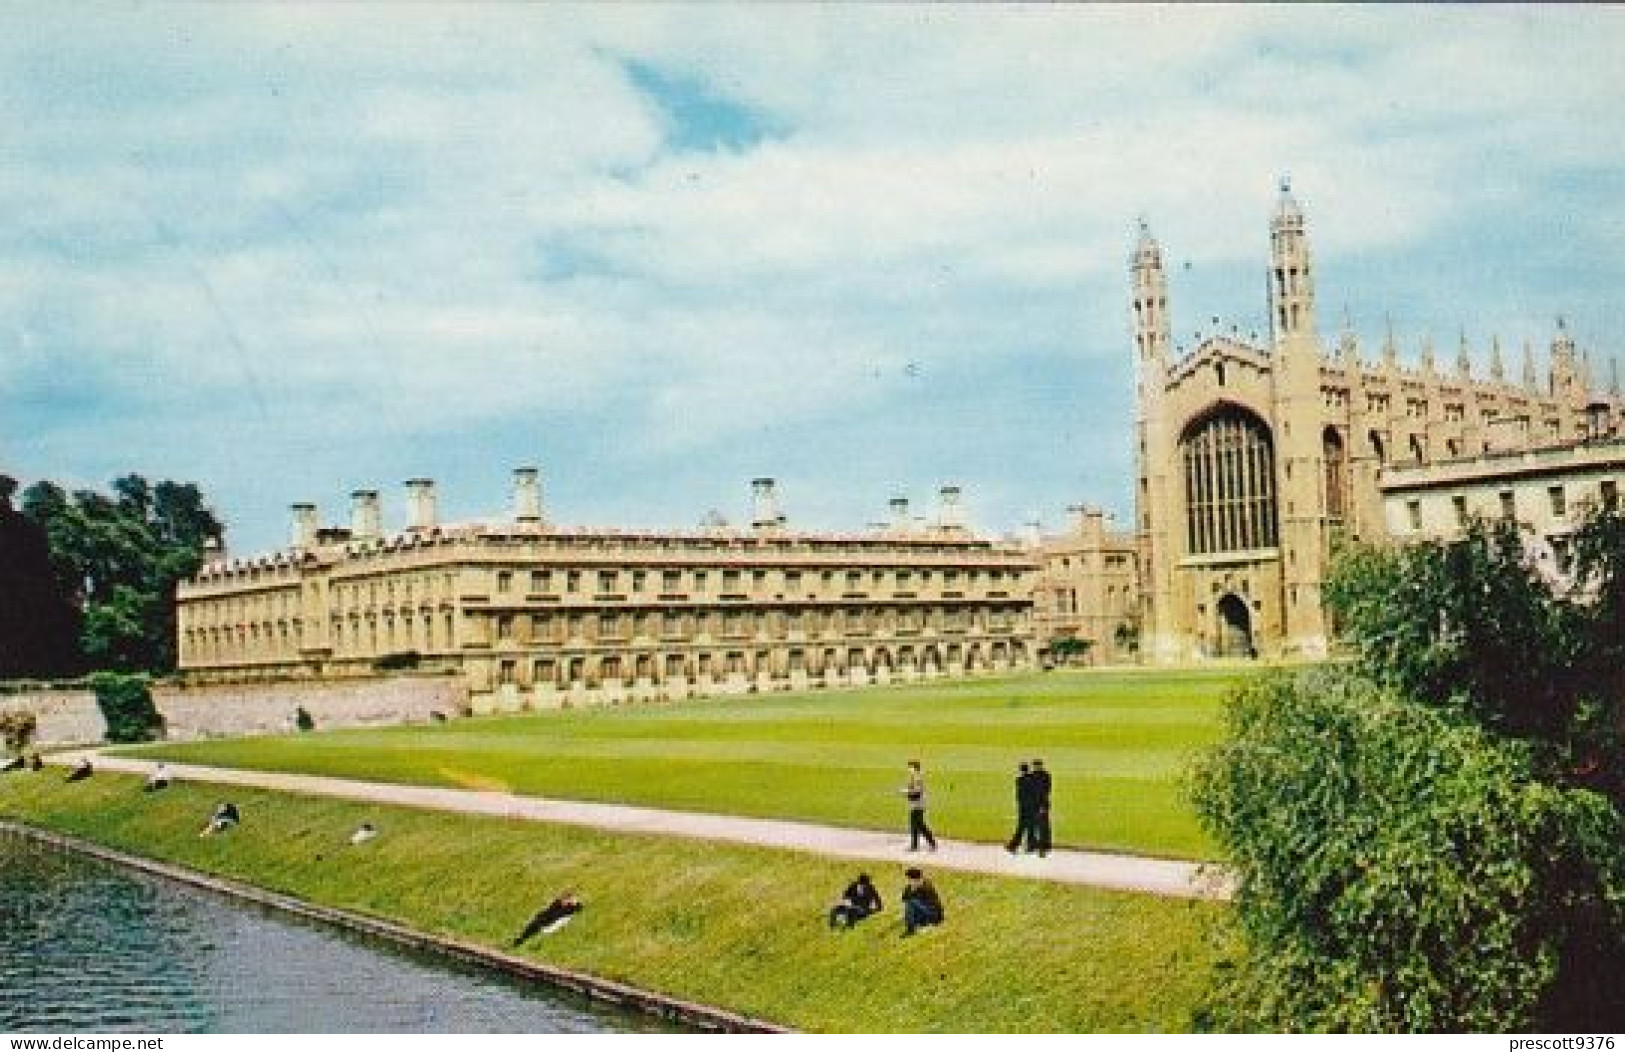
<point>1229,465</point>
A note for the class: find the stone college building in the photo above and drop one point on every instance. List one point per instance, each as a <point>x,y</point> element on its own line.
<point>1254,461</point>
<point>529,613</point>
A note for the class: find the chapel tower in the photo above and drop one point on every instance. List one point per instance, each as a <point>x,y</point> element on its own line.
<point>1300,439</point>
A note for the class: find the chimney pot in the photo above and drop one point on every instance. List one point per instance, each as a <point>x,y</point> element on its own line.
<point>420,503</point>
<point>527,494</point>
<point>366,521</point>
<point>951,517</point>
<point>765,516</point>
<point>304,526</point>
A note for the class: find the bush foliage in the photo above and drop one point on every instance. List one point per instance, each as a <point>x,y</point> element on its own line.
<point>1432,839</point>
<point>127,707</point>
<point>1401,869</point>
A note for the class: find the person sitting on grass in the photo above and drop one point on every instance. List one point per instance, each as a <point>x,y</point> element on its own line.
<point>922,906</point>
<point>158,779</point>
<point>553,917</point>
<point>81,772</point>
<point>35,763</point>
<point>364,832</point>
<point>860,899</point>
<point>16,763</point>
<point>225,816</point>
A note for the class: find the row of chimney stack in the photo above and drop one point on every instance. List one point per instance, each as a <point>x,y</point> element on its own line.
<point>366,513</point>
<point>422,510</point>
<point>766,516</point>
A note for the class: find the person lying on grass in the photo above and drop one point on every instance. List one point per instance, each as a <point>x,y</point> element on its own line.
<point>861,899</point>
<point>553,917</point>
<point>225,816</point>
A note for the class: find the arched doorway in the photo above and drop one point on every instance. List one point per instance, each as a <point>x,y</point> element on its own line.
<point>1235,637</point>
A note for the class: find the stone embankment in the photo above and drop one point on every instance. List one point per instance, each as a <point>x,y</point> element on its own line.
<point>689,1013</point>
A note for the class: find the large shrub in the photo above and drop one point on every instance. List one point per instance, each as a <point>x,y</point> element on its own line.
<point>1432,838</point>
<point>127,707</point>
<point>1401,869</point>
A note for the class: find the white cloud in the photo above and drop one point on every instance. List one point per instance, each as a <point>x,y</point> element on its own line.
<point>397,227</point>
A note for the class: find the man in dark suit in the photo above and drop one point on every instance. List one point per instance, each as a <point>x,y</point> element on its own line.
<point>1024,812</point>
<point>1041,827</point>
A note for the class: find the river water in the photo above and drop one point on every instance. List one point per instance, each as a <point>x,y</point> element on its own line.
<point>87,946</point>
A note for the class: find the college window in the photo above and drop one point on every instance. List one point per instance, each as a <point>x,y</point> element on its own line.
<point>541,580</point>
<point>1229,463</point>
<point>1609,492</point>
<point>504,581</point>
<point>506,673</point>
<point>572,581</point>
<point>1459,503</point>
<point>505,627</point>
<point>671,580</point>
<point>1560,504</point>
<point>607,580</point>
<point>1413,513</point>
<point>1509,505</point>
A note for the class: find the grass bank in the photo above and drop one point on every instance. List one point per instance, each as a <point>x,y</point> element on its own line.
<point>1116,742</point>
<point>737,927</point>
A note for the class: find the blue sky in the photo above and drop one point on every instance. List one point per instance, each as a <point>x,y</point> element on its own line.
<point>288,251</point>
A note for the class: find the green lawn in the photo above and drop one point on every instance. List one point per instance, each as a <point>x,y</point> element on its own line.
<point>1117,743</point>
<point>726,925</point>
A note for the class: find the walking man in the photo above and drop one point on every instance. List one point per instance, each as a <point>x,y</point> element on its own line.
<point>1040,841</point>
<point>1024,812</point>
<point>914,792</point>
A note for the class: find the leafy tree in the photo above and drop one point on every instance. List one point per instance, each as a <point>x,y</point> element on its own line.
<point>38,622</point>
<point>1402,869</point>
<point>1478,626</point>
<point>1432,839</point>
<point>119,559</point>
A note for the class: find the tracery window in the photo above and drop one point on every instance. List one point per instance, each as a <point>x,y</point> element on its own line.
<point>1229,463</point>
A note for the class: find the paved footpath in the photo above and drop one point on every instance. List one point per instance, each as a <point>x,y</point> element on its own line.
<point>1122,872</point>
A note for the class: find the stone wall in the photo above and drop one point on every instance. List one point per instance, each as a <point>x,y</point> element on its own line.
<point>268,708</point>
<point>71,717</point>
<point>66,717</point>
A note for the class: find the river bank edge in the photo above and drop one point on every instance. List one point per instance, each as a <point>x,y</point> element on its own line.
<point>608,991</point>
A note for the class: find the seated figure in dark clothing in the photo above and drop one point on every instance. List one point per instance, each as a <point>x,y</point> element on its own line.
<point>81,772</point>
<point>922,906</point>
<point>16,763</point>
<point>553,917</point>
<point>860,899</point>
